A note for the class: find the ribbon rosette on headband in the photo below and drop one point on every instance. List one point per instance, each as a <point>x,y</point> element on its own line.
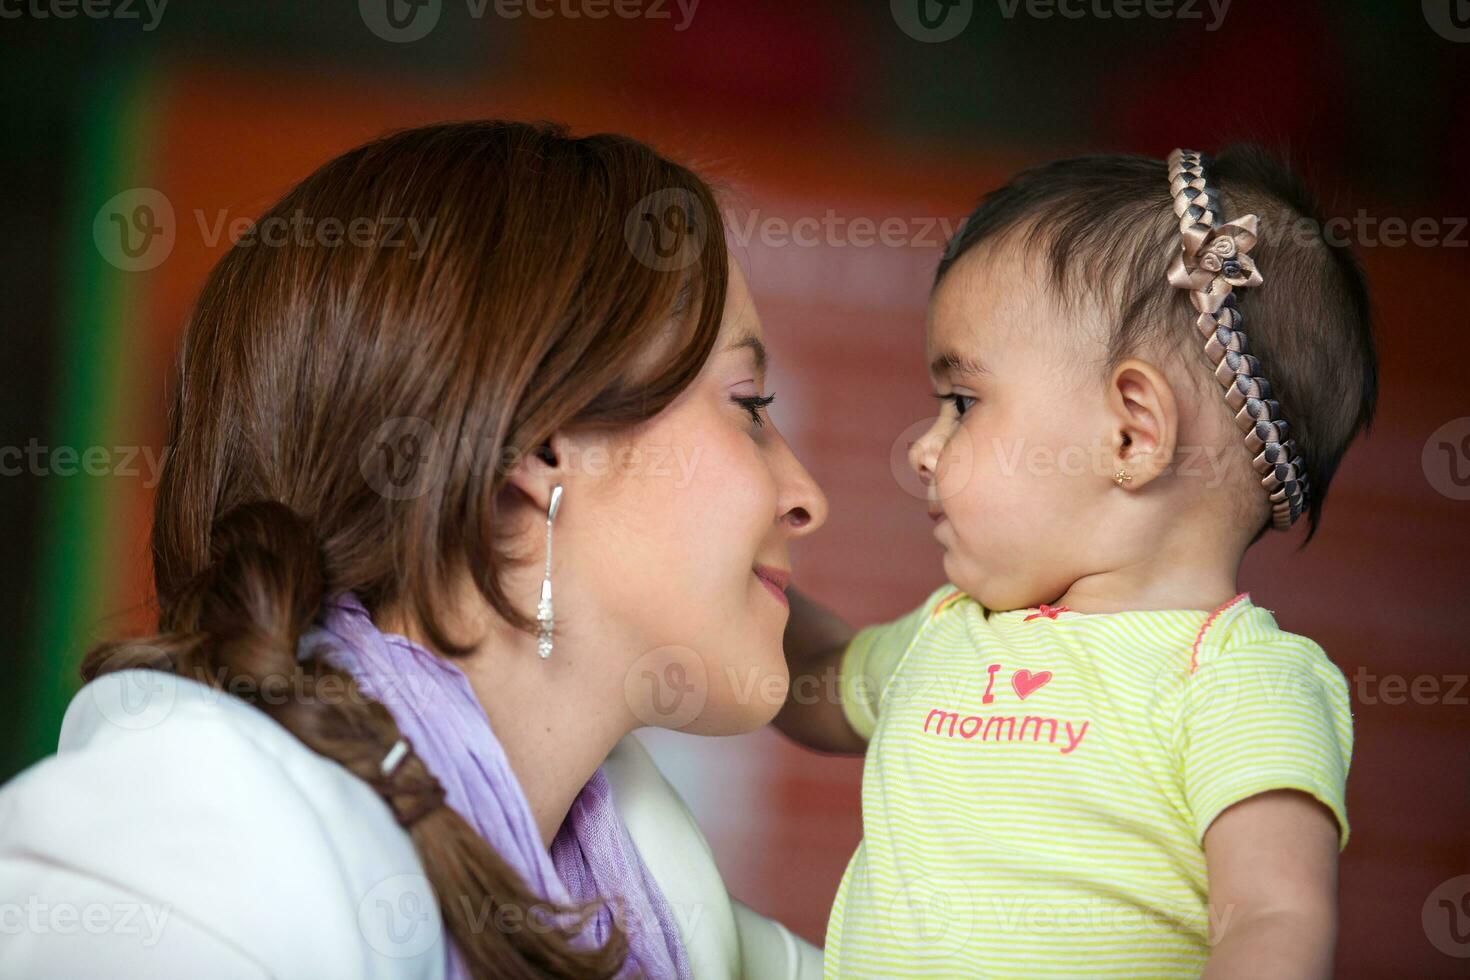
<point>1212,262</point>
<point>1210,265</point>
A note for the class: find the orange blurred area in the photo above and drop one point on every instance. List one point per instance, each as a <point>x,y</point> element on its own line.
<point>845,323</point>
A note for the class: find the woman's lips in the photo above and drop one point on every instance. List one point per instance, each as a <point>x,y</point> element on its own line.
<point>775,580</point>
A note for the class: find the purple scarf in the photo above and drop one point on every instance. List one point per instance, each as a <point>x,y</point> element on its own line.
<point>592,856</point>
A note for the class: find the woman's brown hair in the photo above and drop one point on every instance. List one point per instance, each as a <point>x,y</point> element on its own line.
<point>354,385</point>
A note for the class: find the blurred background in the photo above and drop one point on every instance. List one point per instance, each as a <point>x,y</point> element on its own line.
<point>850,138</point>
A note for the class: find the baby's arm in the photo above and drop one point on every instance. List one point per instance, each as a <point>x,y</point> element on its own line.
<point>838,676</point>
<point>815,640</point>
<point>1272,863</point>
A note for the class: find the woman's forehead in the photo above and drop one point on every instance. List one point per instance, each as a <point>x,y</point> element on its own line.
<point>740,317</point>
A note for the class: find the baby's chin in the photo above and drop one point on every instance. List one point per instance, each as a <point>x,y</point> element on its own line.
<point>994,592</point>
<point>972,582</point>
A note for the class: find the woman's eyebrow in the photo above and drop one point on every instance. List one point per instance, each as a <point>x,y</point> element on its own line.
<point>953,362</point>
<point>756,347</point>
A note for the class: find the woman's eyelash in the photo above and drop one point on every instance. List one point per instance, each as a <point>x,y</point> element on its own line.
<point>753,404</point>
<point>956,399</point>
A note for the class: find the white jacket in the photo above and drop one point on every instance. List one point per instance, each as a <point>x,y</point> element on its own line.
<point>179,832</point>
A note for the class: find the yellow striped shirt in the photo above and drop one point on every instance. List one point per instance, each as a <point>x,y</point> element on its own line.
<point>1038,783</point>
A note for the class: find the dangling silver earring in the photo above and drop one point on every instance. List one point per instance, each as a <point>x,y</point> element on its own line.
<point>543,608</point>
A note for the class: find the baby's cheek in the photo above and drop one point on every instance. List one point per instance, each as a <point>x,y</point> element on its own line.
<point>956,466</point>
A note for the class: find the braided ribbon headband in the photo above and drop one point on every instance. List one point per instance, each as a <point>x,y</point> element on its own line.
<point>1211,263</point>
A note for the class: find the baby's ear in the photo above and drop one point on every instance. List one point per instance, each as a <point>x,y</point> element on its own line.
<point>1145,421</point>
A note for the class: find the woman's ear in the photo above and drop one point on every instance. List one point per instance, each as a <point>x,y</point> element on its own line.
<point>1145,420</point>
<point>532,476</point>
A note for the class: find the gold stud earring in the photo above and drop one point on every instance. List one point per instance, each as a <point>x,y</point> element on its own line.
<point>1122,477</point>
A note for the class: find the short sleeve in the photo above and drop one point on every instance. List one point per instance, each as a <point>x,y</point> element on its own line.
<point>1264,717</point>
<point>874,654</point>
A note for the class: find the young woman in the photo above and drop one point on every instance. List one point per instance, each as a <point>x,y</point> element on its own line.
<point>447,514</point>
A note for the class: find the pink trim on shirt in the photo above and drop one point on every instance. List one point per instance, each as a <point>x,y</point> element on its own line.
<point>1194,653</point>
<point>946,601</point>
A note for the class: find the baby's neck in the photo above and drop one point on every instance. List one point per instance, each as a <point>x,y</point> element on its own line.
<point>1162,582</point>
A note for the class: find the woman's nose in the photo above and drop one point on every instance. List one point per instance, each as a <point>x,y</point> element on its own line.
<point>802,506</point>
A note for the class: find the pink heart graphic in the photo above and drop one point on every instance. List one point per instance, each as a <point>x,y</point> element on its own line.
<point>1027,683</point>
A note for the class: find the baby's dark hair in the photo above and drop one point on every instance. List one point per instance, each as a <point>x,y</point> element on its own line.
<point>1105,228</point>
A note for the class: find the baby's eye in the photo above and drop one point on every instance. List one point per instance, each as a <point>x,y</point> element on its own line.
<point>961,403</point>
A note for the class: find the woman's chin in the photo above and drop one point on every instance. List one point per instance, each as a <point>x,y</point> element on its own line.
<point>752,696</point>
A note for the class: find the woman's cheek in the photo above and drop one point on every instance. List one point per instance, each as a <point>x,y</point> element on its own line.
<point>741,481</point>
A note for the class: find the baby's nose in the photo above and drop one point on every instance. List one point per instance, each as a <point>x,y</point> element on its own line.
<point>922,455</point>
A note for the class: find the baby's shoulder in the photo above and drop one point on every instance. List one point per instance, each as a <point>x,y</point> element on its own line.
<point>1252,653</point>
<point>1252,633</point>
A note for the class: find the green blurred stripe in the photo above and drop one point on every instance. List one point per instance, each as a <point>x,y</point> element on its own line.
<point>99,312</point>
